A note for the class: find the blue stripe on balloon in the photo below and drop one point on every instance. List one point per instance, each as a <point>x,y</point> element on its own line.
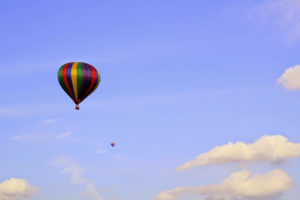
<point>69,78</point>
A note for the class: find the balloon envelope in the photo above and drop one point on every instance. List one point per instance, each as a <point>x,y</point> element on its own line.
<point>78,80</point>
<point>113,144</point>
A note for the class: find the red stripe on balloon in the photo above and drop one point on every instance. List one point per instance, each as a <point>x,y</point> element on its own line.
<point>64,75</point>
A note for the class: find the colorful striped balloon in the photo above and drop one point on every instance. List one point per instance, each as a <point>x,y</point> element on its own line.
<point>79,80</point>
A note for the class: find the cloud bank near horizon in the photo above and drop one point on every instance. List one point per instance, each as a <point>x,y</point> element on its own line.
<point>239,185</point>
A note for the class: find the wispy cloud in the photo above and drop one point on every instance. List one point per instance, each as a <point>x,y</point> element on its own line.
<point>101,148</point>
<point>14,189</point>
<point>106,189</point>
<point>30,110</point>
<point>274,149</point>
<point>76,174</point>
<point>10,111</point>
<point>62,161</point>
<point>30,137</point>
<point>121,157</point>
<point>41,137</point>
<point>23,67</point>
<point>239,185</point>
<point>283,14</point>
<point>64,135</point>
<point>47,122</point>
<point>290,79</point>
<point>92,192</point>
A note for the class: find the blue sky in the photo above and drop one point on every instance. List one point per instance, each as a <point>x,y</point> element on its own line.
<point>178,79</point>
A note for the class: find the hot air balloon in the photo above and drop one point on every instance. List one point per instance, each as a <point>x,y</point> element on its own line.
<point>112,144</point>
<point>78,80</point>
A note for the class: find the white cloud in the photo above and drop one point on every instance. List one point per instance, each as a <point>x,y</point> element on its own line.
<point>272,149</point>
<point>14,189</point>
<point>290,79</point>
<point>284,14</point>
<point>239,185</point>
<point>64,135</point>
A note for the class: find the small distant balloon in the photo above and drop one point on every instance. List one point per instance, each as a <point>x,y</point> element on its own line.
<point>112,144</point>
<point>78,80</point>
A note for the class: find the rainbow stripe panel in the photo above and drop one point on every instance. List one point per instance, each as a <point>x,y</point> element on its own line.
<point>78,79</point>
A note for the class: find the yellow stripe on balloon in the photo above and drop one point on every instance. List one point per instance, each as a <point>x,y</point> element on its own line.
<point>98,79</point>
<point>74,78</point>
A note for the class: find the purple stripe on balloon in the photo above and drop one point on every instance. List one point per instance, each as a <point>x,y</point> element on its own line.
<point>95,82</point>
<point>86,79</point>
